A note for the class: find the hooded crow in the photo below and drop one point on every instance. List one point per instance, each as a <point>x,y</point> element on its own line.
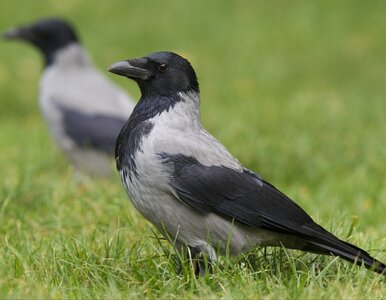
<point>84,111</point>
<point>191,188</point>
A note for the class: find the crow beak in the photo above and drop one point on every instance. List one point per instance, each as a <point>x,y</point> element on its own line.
<point>13,33</point>
<point>18,33</point>
<point>132,68</point>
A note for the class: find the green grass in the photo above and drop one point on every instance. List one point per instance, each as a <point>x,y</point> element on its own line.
<point>295,89</point>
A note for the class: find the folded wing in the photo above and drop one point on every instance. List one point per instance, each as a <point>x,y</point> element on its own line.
<point>246,198</point>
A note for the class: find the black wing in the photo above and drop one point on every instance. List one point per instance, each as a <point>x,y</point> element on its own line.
<point>94,131</point>
<point>247,199</point>
<point>242,196</point>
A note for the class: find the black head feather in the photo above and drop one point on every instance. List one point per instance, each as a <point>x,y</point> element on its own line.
<point>159,74</point>
<point>48,35</point>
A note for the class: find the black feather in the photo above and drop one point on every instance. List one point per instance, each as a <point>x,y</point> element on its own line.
<point>138,126</point>
<point>94,131</point>
<point>245,198</point>
<point>239,195</point>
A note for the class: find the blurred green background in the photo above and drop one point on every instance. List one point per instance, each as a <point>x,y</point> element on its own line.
<point>295,89</point>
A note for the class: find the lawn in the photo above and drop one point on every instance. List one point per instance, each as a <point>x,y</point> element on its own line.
<point>295,89</point>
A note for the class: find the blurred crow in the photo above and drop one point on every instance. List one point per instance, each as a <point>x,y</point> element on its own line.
<point>191,188</point>
<point>82,108</point>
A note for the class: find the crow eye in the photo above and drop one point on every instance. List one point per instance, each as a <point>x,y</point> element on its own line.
<point>162,67</point>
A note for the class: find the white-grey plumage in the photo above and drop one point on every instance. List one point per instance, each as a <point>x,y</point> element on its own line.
<point>191,188</point>
<point>82,108</point>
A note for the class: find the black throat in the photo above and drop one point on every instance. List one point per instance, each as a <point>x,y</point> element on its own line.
<point>139,126</point>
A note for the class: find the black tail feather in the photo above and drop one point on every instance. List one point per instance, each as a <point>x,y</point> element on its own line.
<point>348,252</point>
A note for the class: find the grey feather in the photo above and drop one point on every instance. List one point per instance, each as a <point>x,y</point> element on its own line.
<point>192,189</point>
<point>83,109</point>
